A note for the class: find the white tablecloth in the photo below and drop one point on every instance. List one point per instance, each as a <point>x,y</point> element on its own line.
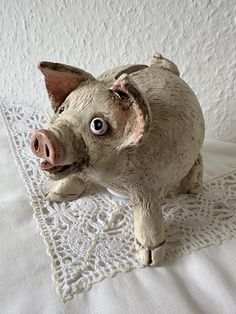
<point>202,282</point>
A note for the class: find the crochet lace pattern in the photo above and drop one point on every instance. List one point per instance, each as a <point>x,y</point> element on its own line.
<point>92,238</point>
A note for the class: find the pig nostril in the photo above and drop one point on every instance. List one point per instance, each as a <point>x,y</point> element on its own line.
<point>36,144</point>
<point>47,151</point>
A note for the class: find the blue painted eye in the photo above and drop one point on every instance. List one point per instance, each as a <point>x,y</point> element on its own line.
<point>61,109</point>
<point>98,126</point>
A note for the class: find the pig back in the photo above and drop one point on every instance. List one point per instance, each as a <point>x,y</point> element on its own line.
<point>177,130</point>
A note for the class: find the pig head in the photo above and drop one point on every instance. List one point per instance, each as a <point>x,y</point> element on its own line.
<point>93,124</point>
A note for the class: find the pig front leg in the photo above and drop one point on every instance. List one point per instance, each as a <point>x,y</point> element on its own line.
<point>149,227</point>
<point>67,189</point>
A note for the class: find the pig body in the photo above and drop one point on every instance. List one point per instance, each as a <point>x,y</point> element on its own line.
<point>154,134</point>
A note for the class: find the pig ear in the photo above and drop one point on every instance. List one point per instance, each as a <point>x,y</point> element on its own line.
<point>61,80</point>
<point>137,109</point>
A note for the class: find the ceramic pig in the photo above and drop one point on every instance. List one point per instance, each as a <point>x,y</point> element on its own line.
<point>136,129</point>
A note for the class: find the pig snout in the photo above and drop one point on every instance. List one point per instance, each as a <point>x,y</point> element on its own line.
<point>45,145</point>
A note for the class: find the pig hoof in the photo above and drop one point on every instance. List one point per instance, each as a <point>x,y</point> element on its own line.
<point>58,198</point>
<point>194,189</point>
<point>152,257</point>
<point>191,184</point>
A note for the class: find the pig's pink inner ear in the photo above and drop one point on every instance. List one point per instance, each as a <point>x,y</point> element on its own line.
<point>61,80</point>
<point>139,123</point>
<point>137,110</point>
<point>59,86</point>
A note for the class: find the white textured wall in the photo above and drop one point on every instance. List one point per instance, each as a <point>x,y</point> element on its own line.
<point>199,36</point>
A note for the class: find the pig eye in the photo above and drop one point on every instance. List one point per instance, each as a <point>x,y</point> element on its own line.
<point>98,126</point>
<point>61,109</point>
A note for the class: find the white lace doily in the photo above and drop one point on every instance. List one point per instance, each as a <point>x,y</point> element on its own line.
<point>91,239</point>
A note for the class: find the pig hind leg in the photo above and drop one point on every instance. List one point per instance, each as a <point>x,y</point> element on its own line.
<point>192,183</point>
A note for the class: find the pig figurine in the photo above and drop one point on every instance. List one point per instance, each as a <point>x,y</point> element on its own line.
<point>136,129</point>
